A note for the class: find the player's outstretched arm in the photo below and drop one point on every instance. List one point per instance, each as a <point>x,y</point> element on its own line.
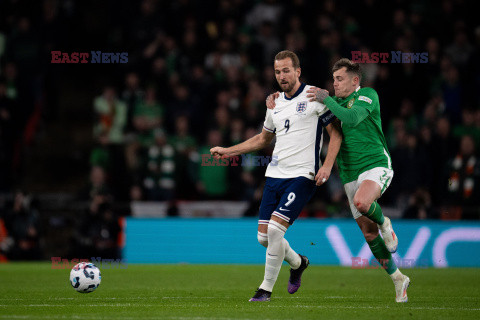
<point>336,137</point>
<point>352,116</point>
<point>257,142</point>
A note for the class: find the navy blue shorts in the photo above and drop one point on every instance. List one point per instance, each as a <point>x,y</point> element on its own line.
<point>285,198</point>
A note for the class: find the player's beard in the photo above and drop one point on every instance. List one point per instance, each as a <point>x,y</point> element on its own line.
<point>287,87</point>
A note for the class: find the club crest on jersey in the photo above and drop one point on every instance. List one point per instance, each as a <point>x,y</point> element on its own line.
<point>301,107</point>
<point>350,103</point>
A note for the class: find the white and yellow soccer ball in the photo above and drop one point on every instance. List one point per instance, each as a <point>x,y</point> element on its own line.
<point>85,277</point>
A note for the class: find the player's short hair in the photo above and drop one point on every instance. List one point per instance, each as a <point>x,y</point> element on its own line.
<point>289,54</point>
<point>352,67</point>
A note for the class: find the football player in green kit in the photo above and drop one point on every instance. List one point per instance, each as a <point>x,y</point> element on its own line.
<point>363,161</point>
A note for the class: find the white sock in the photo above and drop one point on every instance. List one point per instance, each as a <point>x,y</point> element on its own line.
<point>275,254</point>
<point>290,255</point>
<point>396,274</point>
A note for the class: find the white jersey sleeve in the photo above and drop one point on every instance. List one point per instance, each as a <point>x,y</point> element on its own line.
<point>268,123</point>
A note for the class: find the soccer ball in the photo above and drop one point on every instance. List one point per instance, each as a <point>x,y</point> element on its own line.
<point>85,277</point>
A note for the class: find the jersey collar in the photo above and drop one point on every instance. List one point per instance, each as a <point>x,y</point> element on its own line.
<point>353,93</point>
<point>302,86</point>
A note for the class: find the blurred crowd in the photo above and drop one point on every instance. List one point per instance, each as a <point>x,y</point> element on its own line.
<point>200,75</point>
<point>197,76</point>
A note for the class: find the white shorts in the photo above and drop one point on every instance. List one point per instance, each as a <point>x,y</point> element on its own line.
<point>382,176</point>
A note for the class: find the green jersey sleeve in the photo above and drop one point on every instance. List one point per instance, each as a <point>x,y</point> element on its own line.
<point>352,116</point>
<point>367,98</point>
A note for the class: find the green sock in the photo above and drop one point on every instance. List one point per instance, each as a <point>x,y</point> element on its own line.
<point>375,213</point>
<point>384,257</point>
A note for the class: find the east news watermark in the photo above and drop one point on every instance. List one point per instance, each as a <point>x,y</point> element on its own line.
<point>389,57</point>
<point>246,160</point>
<point>89,57</point>
<point>102,263</point>
<point>363,263</point>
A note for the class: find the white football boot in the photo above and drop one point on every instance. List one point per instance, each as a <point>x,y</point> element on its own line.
<point>391,240</point>
<point>401,284</point>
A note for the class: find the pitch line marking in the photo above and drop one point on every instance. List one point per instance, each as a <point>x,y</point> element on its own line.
<point>116,317</point>
<point>269,306</point>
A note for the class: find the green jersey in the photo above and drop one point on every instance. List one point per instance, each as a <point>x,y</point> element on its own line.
<point>364,146</point>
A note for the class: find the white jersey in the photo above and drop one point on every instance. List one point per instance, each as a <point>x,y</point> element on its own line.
<point>298,125</point>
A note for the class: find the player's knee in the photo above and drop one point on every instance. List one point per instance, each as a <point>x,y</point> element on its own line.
<point>262,239</point>
<point>361,205</point>
<point>275,230</point>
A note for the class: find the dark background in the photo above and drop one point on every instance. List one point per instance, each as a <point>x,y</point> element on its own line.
<point>78,142</point>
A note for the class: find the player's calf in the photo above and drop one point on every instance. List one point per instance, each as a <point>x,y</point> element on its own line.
<point>375,214</point>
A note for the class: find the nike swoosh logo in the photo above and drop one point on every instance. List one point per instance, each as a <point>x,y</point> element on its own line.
<point>275,112</point>
<point>281,209</point>
<point>272,255</point>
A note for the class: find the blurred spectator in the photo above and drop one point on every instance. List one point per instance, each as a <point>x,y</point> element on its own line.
<point>405,121</point>
<point>460,50</point>
<point>11,81</point>
<point>111,116</point>
<point>222,121</point>
<point>212,180</point>
<point>159,77</point>
<point>106,236</point>
<point>131,96</point>
<point>9,131</point>
<point>385,87</point>
<point>136,193</point>
<point>97,233</point>
<point>452,93</point>
<point>22,222</point>
<point>254,104</point>
<point>182,141</point>
<point>100,156</point>
<point>420,206</point>
<point>410,164</point>
<point>264,11</point>
<point>463,188</point>
<point>97,189</point>
<point>224,57</point>
<point>148,114</point>
<point>469,126</point>
<point>269,41</point>
<point>185,158</point>
<point>248,175</point>
<point>445,147</point>
<point>180,105</point>
<point>158,169</point>
<point>236,132</point>
<point>24,47</point>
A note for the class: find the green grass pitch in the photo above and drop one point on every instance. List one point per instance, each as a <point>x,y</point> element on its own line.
<point>36,291</point>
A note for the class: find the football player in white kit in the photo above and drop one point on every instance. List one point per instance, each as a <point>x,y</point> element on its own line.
<point>294,173</point>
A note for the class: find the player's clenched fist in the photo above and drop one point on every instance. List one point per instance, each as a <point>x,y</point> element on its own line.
<point>322,176</point>
<point>271,100</point>
<point>219,153</point>
<point>317,94</point>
